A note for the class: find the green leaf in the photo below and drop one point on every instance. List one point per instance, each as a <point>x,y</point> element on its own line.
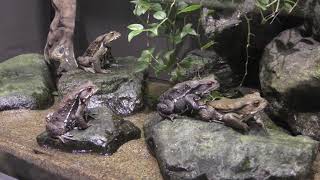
<point>154,31</point>
<point>159,15</point>
<point>187,29</point>
<point>167,55</point>
<point>207,45</point>
<point>146,55</point>
<point>141,66</point>
<point>159,67</point>
<point>156,7</point>
<point>190,8</point>
<point>181,5</point>
<point>133,34</point>
<point>135,27</point>
<point>177,39</point>
<point>141,7</point>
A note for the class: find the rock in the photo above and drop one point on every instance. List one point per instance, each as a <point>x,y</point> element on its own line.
<point>202,63</point>
<point>153,90</point>
<point>290,76</point>
<point>120,90</point>
<point>307,123</point>
<point>192,149</point>
<point>312,11</point>
<point>25,83</point>
<point>105,135</point>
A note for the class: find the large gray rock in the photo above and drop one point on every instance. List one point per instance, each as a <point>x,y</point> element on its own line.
<point>107,132</point>
<point>25,83</point>
<point>120,90</point>
<point>192,149</point>
<point>203,63</point>
<point>290,78</point>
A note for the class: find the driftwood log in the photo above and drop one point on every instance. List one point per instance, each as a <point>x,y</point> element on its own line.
<point>59,49</point>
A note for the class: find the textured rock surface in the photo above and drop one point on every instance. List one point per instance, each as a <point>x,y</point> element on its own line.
<point>106,134</point>
<point>120,90</point>
<point>25,83</point>
<point>153,90</point>
<point>312,10</point>
<point>202,63</point>
<point>290,79</point>
<point>190,149</point>
<point>307,124</point>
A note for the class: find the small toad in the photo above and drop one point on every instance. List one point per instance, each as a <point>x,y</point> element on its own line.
<point>98,54</point>
<point>183,97</point>
<point>234,112</point>
<point>71,112</point>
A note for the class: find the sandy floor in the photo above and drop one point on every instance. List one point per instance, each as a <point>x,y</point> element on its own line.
<point>18,130</point>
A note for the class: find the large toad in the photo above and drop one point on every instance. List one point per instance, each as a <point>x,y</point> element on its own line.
<point>183,97</point>
<point>234,112</point>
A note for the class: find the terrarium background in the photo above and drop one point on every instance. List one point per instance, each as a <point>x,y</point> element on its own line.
<point>25,24</point>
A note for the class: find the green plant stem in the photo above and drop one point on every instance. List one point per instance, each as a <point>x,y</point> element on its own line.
<point>247,50</point>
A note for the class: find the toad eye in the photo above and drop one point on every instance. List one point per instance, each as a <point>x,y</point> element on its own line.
<point>256,103</point>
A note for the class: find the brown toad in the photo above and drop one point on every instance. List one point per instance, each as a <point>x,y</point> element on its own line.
<point>98,54</point>
<point>234,112</point>
<point>70,113</point>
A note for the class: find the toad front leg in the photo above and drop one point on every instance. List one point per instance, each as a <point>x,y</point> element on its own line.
<point>192,100</point>
<point>81,123</point>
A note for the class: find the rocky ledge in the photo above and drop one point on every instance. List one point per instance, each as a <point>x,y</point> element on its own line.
<point>107,132</point>
<point>25,83</point>
<point>192,149</point>
<point>120,90</point>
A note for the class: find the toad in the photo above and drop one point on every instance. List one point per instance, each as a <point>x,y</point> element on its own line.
<point>183,97</point>
<point>71,112</point>
<point>98,54</point>
<point>234,112</point>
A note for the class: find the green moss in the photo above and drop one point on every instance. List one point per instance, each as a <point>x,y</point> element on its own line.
<point>280,138</point>
<point>26,75</point>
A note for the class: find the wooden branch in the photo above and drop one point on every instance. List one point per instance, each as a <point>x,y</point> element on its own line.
<point>59,49</point>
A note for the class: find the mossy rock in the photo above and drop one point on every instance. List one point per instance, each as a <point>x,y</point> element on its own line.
<point>192,149</point>
<point>121,90</point>
<point>107,132</point>
<point>25,83</point>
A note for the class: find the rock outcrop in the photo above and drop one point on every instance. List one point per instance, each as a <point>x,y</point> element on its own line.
<point>191,149</point>
<point>120,90</point>
<point>25,83</point>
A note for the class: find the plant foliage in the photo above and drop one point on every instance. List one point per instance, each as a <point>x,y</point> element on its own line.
<point>162,20</point>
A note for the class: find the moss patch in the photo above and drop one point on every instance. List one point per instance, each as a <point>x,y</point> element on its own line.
<point>26,75</point>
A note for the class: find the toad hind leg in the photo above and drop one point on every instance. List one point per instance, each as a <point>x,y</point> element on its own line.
<point>96,65</point>
<point>166,109</point>
<point>85,62</point>
<point>233,120</point>
<point>81,123</point>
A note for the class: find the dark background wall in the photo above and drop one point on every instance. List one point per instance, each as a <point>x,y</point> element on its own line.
<point>25,23</point>
<point>23,26</point>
